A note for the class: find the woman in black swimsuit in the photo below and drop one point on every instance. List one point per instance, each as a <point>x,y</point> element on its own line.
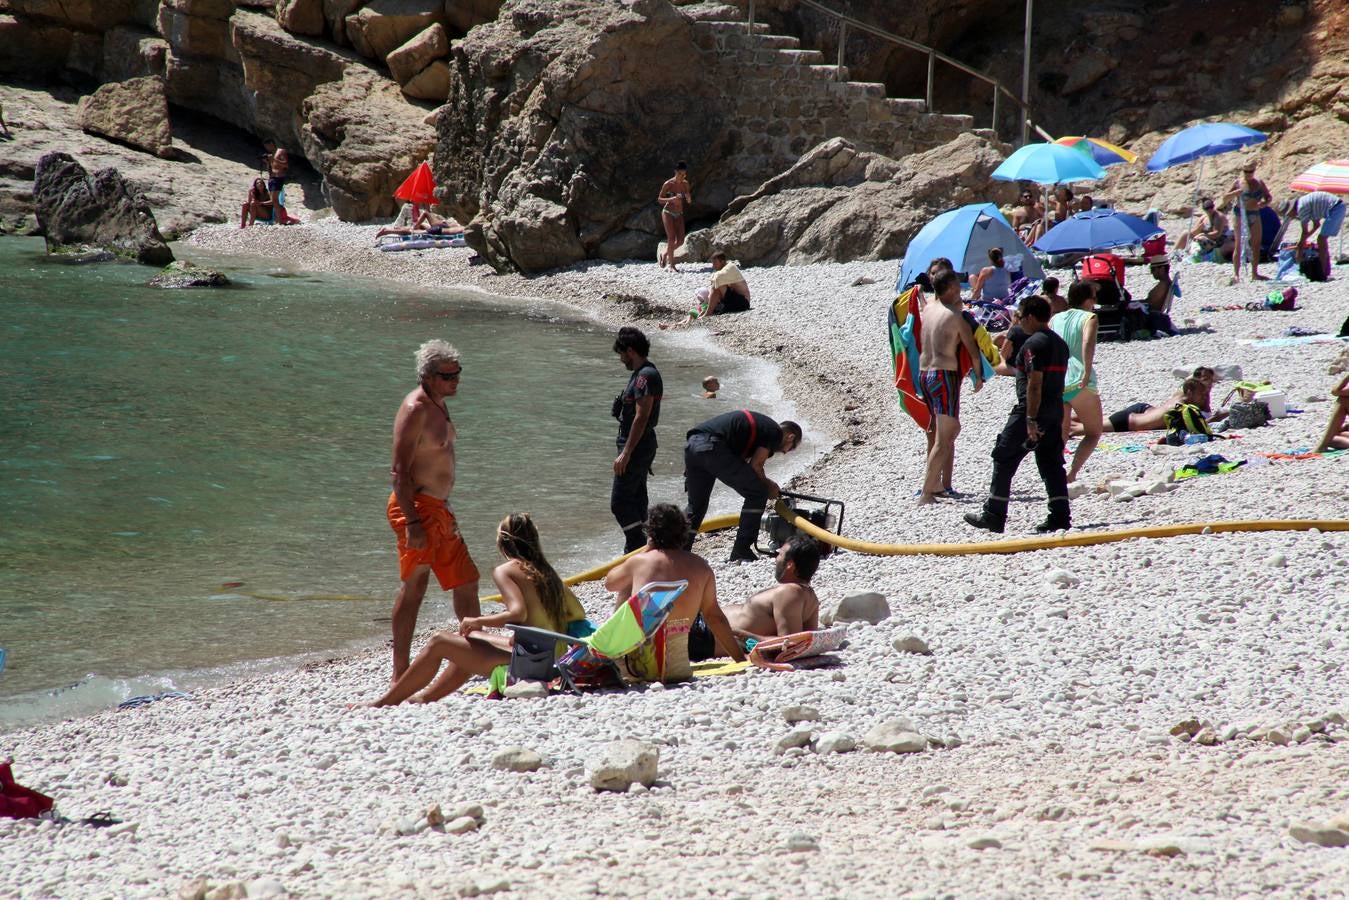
<point>1251,195</point>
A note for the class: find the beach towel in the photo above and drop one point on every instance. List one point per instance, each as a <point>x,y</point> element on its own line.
<point>905,322</point>
<point>17,801</point>
<point>777,653</point>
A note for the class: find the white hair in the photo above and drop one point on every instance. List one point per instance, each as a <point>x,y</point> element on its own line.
<point>432,354</point>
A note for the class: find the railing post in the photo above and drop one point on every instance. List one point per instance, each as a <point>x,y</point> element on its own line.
<point>842,42</point>
<point>749,24</point>
<point>996,91</point>
<point>931,76</point>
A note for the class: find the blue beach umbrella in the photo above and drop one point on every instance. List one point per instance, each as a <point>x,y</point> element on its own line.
<point>964,235</point>
<point>1096,229</point>
<point>1048,164</point>
<point>1198,141</point>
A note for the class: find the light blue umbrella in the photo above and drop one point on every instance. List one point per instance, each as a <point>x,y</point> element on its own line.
<point>1048,164</point>
<point>964,235</point>
<point>1096,229</point>
<point>1198,141</point>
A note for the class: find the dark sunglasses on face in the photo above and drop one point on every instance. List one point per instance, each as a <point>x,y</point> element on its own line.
<point>450,376</point>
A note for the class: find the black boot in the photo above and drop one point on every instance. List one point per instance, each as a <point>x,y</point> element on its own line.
<point>985,521</point>
<point>1059,518</point>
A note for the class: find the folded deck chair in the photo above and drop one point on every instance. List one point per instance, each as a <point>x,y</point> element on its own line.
<point>594,658</point>
<point>776,653</point>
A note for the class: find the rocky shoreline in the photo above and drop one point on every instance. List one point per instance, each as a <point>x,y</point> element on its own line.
<point>1146,716</point>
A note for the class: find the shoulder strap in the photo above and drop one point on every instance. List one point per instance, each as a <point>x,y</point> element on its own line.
<point>753,434</point>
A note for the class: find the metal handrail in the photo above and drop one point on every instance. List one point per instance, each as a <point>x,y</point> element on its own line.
<point>933,55</point>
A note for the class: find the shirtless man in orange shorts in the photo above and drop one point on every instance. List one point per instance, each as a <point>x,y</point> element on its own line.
<point>419,511</point>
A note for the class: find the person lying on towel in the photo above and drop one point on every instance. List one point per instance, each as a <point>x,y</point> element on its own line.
<point>788,607</point>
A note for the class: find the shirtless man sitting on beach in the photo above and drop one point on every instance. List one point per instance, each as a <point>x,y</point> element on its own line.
<point>943,332</point>
<point>665,559</point>
<point>418,508</point>
<point>788,607</point>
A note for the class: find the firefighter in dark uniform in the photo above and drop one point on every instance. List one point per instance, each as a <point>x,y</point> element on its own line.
<point>638,412</point>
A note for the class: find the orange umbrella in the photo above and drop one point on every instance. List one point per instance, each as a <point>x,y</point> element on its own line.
<point>419,188</point>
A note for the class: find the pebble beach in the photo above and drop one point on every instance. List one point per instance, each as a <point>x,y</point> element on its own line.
<point>1140,718</point>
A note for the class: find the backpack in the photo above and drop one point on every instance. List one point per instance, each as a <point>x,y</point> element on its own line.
<point>1310,266</point>
<point>1183,421</point>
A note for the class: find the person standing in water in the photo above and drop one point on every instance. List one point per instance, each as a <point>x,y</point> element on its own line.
<point>419,510</point>
<point>637,410</point>
<point>674,199</point>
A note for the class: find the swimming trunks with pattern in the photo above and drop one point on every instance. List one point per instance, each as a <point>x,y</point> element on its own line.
<point>941,391</point>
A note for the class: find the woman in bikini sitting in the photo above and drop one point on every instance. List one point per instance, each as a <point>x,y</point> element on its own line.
<point>1252,195</point>
<point>674,199</point>
<point>258,205</point>
<point>533,595</point>
<point>1062,205</point>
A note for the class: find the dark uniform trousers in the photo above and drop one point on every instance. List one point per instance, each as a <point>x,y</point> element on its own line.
<point>627,499</point>
<point>706,461</point>
<point>1008,452</point>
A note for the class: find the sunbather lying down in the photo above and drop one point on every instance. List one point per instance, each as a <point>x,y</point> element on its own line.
<point>427,223</point>
<point>1146,417</point>
<point>788,607</point>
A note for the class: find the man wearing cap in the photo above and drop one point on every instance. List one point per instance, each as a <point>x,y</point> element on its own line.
<point>1158,303</point>
<point>1321,213</point>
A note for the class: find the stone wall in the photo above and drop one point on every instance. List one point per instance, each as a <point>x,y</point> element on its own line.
<point>783,100</point>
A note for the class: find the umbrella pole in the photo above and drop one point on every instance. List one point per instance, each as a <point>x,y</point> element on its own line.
<point>1194,201</point>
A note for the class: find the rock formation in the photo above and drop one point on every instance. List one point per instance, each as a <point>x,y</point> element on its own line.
<point>75,209</point>
<point>183,274</point>
<point>565,116</point>
<point>135,112</point>
<point>837,204</point>
<point>357,133</point>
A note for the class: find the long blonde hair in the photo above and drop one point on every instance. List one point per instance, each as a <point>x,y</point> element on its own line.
<point>518,540</point>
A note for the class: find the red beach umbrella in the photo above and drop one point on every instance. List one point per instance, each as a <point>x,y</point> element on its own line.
<point>419,188</point>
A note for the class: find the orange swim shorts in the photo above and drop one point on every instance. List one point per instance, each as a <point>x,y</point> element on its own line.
<point>445,551</point>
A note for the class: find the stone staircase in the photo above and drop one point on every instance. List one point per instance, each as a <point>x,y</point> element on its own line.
<point>786,100</point>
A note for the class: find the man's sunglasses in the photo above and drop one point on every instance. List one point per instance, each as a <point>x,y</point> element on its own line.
<point>450,376</point>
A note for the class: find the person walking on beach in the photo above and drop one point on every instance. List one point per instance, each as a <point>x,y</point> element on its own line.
<point>674,199</point>
<point>418,510</point>
<point>1034,426</point>
<point>533,595</point>
<point>638,412</point>
<point>942,333</point>
<point>1077,326</point>
<point>732,448</point>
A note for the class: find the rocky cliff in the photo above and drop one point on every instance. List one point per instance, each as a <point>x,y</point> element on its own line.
<point>346,84</point>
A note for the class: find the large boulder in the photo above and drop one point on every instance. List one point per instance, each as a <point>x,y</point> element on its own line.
<point>74,209</point>
<point>335,14</point>
<point>564,117</point>
<point>135,112</point>
<point>300,16</point>
<point>381,26</point>
<point>431,83</point>
<point>196,27</point>
<point>364,137</point>
<point>418,53</point>
<point>280,72</point>
<point>838,204</point>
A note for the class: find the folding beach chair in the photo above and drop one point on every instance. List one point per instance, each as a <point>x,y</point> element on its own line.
<point>594,658</point>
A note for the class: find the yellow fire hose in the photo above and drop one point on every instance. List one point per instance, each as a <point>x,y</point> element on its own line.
<point>1080,539</point>
<point>1017,545</point>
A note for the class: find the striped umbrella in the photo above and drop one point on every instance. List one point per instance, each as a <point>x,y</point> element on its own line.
<point>1104,152</point>
<point>1330,176</point>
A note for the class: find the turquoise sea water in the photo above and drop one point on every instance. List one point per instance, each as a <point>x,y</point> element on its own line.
<point>158,447</point>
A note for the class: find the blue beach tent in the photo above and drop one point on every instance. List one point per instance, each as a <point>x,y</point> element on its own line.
<point>965,235</point>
